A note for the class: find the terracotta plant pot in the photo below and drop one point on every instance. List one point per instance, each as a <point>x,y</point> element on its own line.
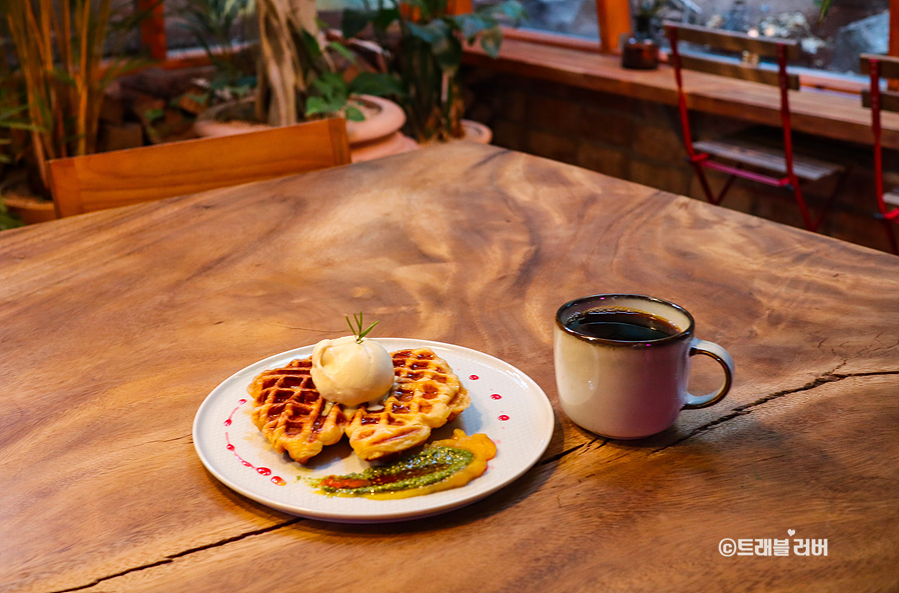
<point>471,130</point>
<point>30,209</point>
<point>378,135</point>
<point>476,132</point>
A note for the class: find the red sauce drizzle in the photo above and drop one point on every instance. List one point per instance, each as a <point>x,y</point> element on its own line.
<point>230,447</point>
<point>264,471</point>
<point>240,402</point>
<point>503,417</point>
<point>474,377</point>
<point>496,396</point>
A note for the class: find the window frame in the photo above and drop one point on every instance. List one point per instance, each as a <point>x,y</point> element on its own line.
<point>613,17</point>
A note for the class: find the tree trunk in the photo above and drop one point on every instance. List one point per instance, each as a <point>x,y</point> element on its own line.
<point>281,80</point>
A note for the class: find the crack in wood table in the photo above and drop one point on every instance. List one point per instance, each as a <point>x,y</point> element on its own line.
<point>116,325</point>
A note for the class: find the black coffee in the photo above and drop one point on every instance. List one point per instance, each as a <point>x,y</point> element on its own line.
<point>623,325</point>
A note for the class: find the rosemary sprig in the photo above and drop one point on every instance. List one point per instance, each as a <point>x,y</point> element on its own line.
<point>357,329</point>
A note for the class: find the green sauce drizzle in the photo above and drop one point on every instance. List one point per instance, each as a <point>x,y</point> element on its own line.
<point>412,471</point>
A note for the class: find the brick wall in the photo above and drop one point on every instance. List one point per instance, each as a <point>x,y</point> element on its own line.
<point>641,141</point>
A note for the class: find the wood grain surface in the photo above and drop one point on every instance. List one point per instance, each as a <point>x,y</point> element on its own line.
<point>122,177</point>
<point>114,327</point>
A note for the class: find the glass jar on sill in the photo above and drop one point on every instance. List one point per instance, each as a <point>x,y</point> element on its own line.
<point>639,51</point>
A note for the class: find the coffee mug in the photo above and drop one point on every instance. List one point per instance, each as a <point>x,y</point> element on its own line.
<point>623,361</point>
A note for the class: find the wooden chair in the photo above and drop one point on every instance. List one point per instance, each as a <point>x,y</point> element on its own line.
<point>784,168</point>
<point>107,180</point>
<point>878,67</point>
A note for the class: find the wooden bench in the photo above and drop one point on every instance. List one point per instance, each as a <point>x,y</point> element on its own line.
<point>770,159</point>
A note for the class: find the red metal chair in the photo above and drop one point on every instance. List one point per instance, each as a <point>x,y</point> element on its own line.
<point>886,67</point>
<point>785,169</point>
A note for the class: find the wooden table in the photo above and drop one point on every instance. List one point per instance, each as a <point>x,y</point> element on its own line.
<point>116,325</point>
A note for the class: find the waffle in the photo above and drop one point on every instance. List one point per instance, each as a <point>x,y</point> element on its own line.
<point>426,395</point>
<point>291,413</point>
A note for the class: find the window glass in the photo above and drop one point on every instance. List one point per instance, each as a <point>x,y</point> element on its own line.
<point>833,44</point>
<point>123,35</point>
<point>218,22</point>
<point>568,17</point>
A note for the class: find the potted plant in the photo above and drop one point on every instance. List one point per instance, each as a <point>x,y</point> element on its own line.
<point>60,82</point>
<point>212,24</point>
<point>640,51</point>
<point>302,74</point>
<point>425,41</point>
<point>13,128</point>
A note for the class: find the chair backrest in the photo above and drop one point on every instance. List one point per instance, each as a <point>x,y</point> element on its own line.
<point>877,67</point>
<point>782,50</point>
<point>118,178</point>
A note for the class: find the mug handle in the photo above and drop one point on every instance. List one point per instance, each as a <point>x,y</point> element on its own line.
<point>718,353</point>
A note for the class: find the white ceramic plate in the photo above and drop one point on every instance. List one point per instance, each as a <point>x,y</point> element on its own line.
<point>506,405</point>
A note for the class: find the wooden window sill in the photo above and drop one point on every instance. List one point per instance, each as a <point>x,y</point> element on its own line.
<point>832,115</point>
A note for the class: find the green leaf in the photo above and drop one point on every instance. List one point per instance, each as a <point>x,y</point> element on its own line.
<point>381,85</point>
<point>357,329</point>
<point>11,111</point>
<point>332,86</point>
<point>491,41</point>
<point>353,114</point>
<point>249,81</point>
<point>315,105</point>
<point>310,43</point>
<point>7,120</point>
<point>153,114</point>
<point>342,50</point>
<point>13,125</point>
<point>7,220</point>
<point>385,17</point>
<point>433,32</point>
<point>514,10</point>
<point>472,24</point>
<point>63,76</point>
<point>331,102</point>
<point>447,52</point>
<point>354,21</point>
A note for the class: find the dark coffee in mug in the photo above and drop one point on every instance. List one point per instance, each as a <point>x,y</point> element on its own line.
<point>623,364</point>
<point>622,325</point>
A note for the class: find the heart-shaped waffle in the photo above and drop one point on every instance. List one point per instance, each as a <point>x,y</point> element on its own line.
<point>426,395</point>
<point>292,414</point>
<point>294,417</point>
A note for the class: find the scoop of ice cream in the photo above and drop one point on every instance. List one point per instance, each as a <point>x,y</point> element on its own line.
<point>351,373</point>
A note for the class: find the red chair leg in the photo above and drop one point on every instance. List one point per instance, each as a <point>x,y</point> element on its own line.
<point>837,188</point>
<point>704,183</point>
<point>725,189</point>
<point>707,189</point>
<point>810,224</point>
